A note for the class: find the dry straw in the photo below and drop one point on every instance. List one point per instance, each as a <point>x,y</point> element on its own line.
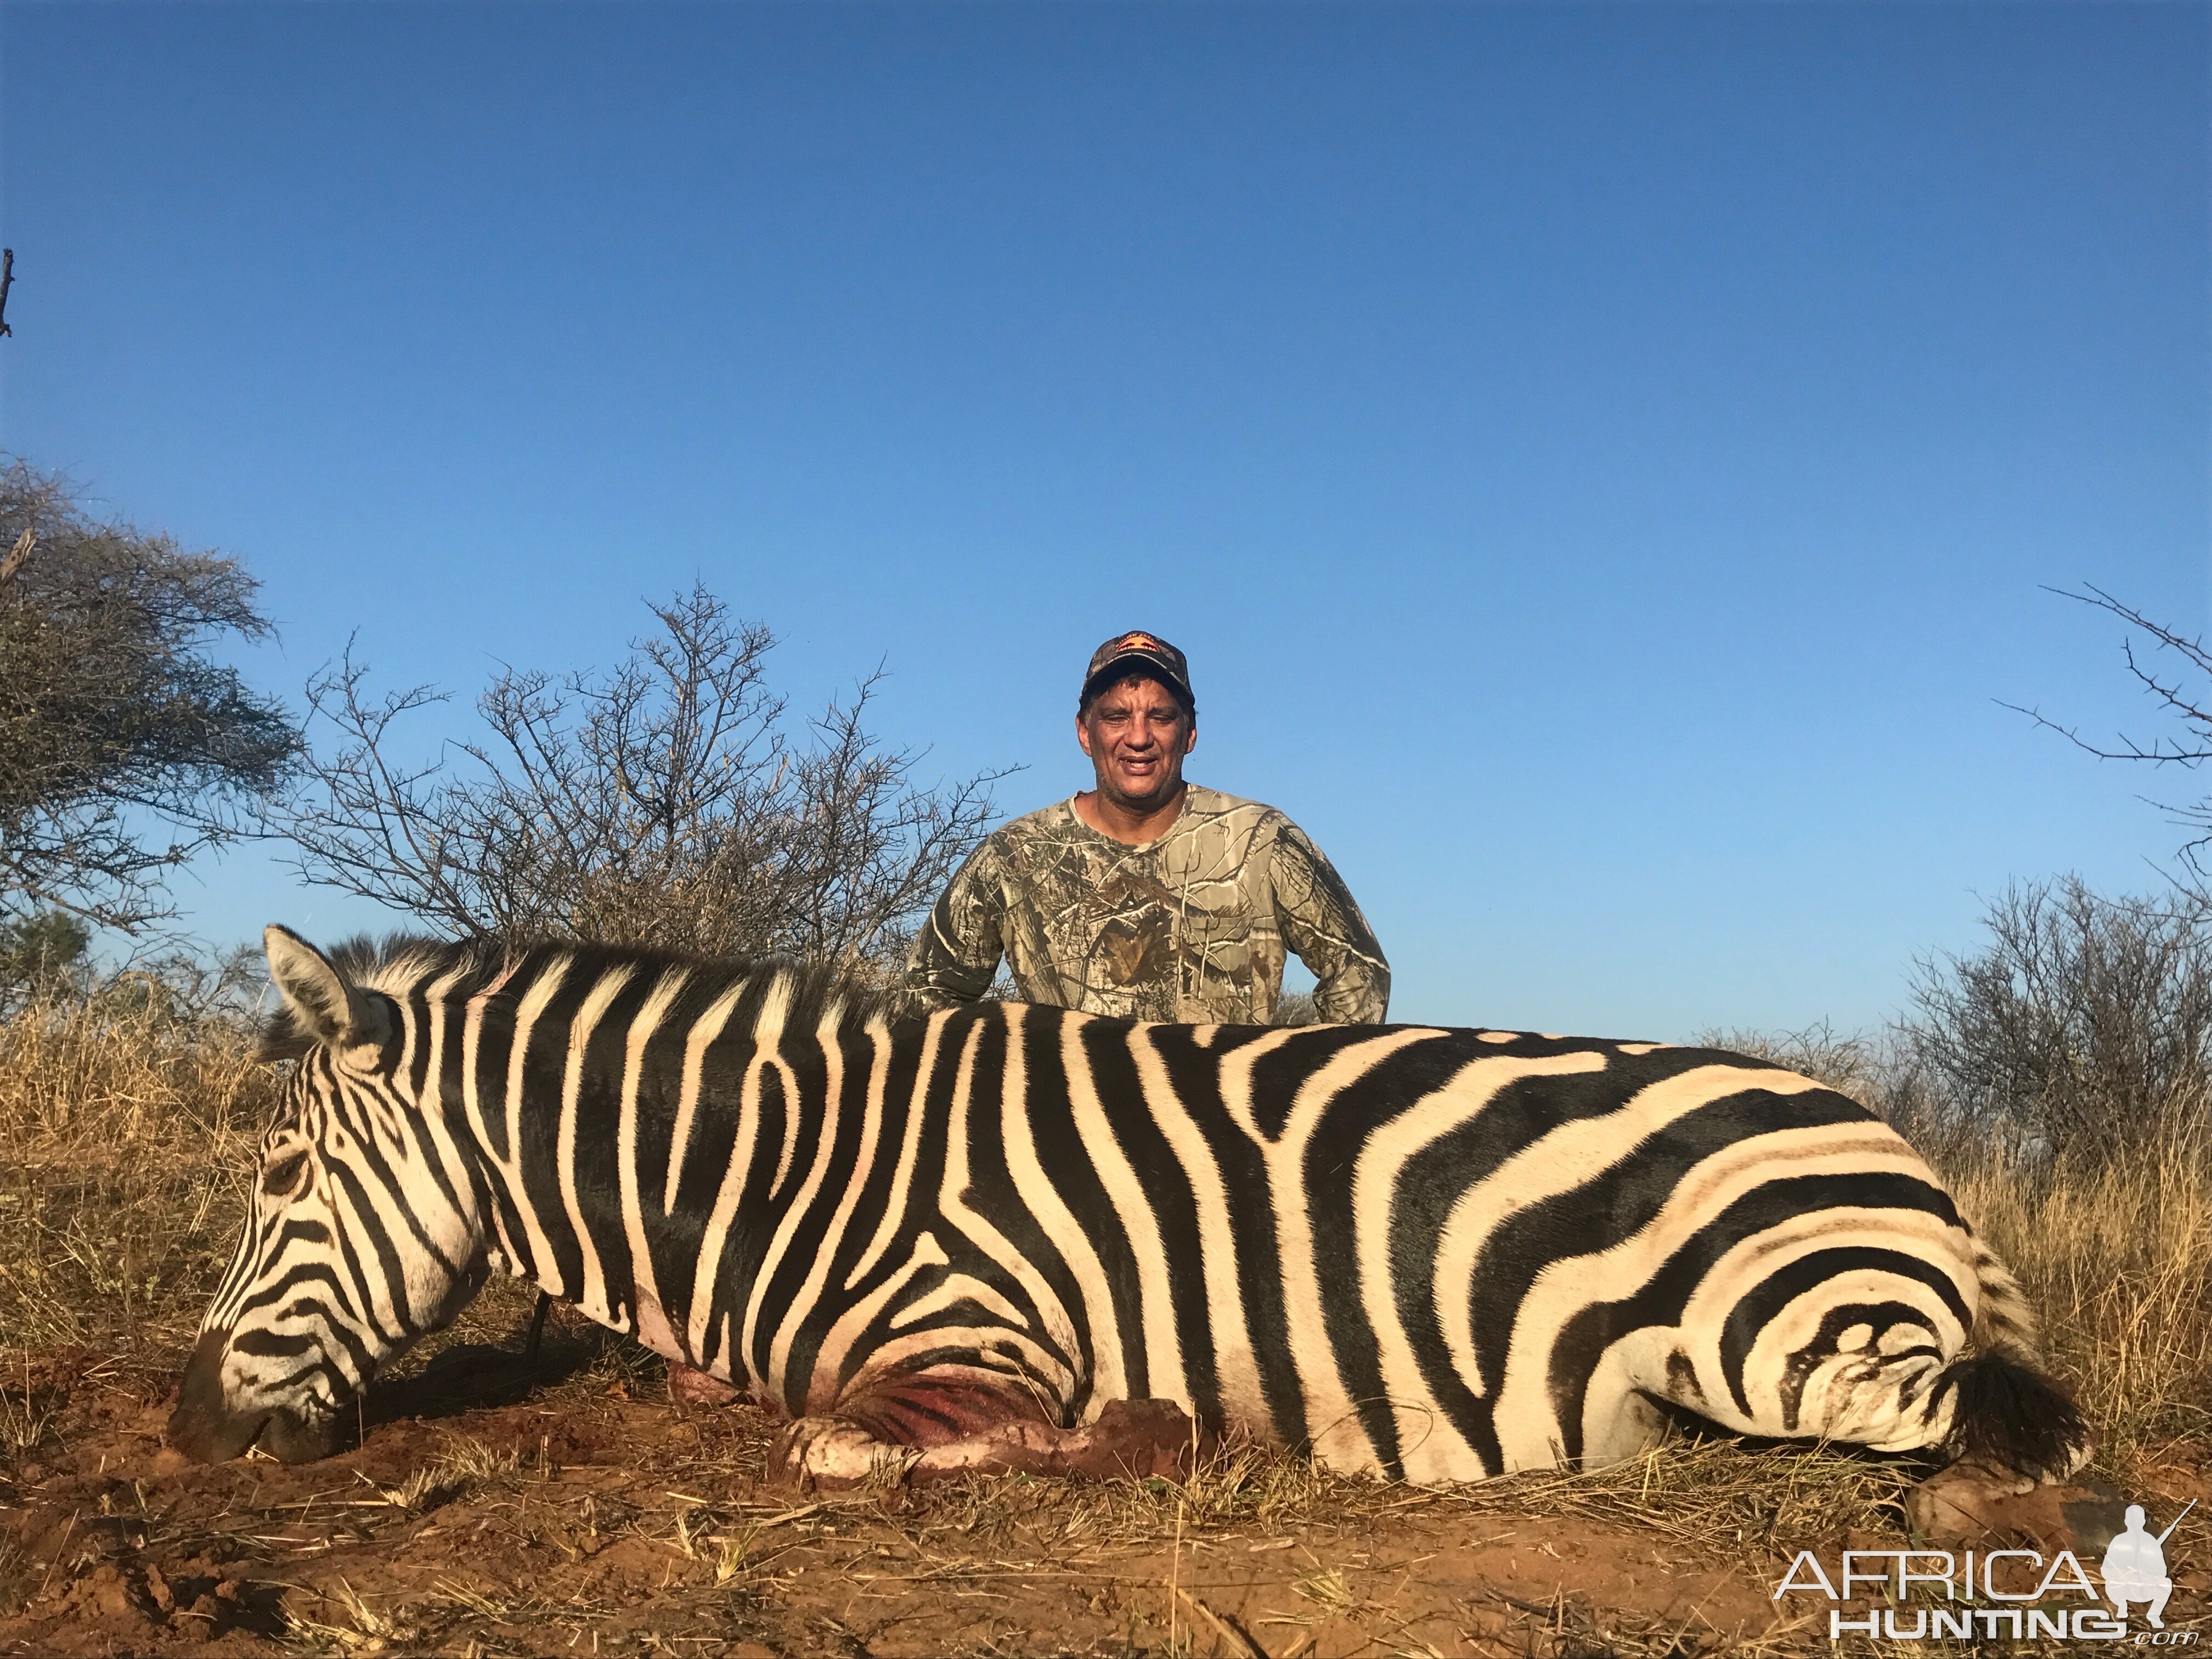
<point>128,1128</point>
<point>129,1131</point>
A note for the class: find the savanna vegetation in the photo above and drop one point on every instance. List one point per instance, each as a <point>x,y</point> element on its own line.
<point>2058,1075</point>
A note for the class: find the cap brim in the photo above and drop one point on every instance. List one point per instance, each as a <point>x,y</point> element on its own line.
<point>1115,667</point>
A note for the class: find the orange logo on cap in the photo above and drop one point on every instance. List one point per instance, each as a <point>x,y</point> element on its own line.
<point>1137,641</point>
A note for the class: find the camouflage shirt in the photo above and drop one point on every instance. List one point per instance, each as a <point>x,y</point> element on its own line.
<point>1191,927</point>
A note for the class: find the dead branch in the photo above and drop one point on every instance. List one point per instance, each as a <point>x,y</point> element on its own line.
<point>18,556</point>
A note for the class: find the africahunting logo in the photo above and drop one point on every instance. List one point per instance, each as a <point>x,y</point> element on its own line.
<point>1979,1595</point>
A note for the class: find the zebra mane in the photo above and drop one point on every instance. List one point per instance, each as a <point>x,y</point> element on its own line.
<point>400,964</point>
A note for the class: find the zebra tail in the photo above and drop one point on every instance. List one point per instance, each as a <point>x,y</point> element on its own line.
<point>2008,1415</point>
<point>2006,1412</point>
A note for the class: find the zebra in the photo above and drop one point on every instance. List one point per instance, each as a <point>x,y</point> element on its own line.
<point>1012,1237</point>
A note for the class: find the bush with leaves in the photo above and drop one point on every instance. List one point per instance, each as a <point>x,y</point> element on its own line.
<point>661,803</point>
<point>45,955</point>
<point>124,748</point>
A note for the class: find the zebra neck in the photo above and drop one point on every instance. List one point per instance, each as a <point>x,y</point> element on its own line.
<point>642,1135</point>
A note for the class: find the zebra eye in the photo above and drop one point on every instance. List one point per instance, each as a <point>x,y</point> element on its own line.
<point>284,1178</point>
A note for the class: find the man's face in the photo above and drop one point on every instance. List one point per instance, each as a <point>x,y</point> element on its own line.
<point>1136,735</point>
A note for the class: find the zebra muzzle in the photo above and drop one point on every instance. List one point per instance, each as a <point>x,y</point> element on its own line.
<point>208,1428</point>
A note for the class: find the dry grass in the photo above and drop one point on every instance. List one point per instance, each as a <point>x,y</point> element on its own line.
<point>128,1132</point>
<point>2118,1259</point>
<point>464,1467</point>
<point>2113,1246</point>
<point>351,1624</point>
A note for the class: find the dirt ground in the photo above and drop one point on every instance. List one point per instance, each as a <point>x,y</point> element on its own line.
<point>492,1511</point>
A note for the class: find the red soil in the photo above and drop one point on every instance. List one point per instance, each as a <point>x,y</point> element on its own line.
<point>635,1525</point>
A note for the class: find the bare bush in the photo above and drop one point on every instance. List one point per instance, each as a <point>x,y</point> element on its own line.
<point>658,804</point>
<point>2084,1023</point>
<point>125,750</point>
<point>1849,1062</point>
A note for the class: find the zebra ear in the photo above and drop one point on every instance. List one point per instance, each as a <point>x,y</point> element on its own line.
<point>320,1004</point>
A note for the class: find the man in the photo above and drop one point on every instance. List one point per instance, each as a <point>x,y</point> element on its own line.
<point>1149,897</point>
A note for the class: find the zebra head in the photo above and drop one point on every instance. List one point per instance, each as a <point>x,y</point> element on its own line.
<point>363,1232</point>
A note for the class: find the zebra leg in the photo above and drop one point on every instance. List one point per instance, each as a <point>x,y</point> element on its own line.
<point>1620,1420</point>
<point>933,1424</point>
<point>537,1329</point>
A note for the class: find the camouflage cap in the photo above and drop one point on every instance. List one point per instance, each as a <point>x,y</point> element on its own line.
<point>1138,648</point>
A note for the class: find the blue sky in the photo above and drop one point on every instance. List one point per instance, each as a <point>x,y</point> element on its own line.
<point>1601,461</point>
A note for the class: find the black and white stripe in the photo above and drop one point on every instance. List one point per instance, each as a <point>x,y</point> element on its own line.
<point>1435,1254</point>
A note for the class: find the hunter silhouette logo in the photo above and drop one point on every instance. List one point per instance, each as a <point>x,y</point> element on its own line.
<point>1936,1593</point>
<point>2135,1567</point>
